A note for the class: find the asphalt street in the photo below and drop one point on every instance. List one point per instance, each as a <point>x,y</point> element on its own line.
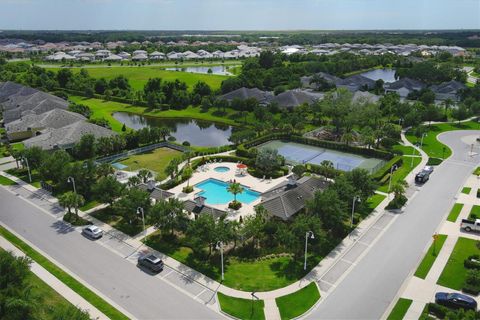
<point>142,295</point>
<point>372,284</point>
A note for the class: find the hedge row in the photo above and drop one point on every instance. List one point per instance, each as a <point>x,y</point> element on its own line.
<point>318,143</point>
<point>380,174</point>
<point>103,97</point>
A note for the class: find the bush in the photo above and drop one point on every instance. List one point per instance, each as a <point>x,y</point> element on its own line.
<point>171,138</point>
<point>434,161</point>
<point>478,193</point>
<point>397,203</point>
<point>186,143</point>
<point>385,170</point>
<point>472,262</point>
<point>437,310</point>
<point>471,289</point>
<point>187,189</point>
<point>235,205</point>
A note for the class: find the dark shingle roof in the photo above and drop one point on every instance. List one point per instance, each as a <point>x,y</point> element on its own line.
<point>410,84</point>
<point>287,200</point>
<point>246,93</point>
<point>293,98</point>
<point>9,89</point>
<point>55,118</point>
<point>191,206</point>
<point>156,193</point>
<point>451,87</point>
<point>356,82</point>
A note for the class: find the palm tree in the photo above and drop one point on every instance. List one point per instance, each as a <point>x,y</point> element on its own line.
<point>347,138</point>
<point>71,200</point>
<point>187,174</point>
<point>144,175</point>
<point>164,132</point>
<point>133,181</point>
<point>104,169</point>
<point>235,188</point>
<point>447,104</point>
<point>399,188</point>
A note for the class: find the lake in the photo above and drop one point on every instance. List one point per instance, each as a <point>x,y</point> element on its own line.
<point>221,70</point>
<point>197,132</point>
<point>387,75</point>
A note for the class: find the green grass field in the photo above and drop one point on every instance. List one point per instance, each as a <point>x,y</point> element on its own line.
<point>155,160</point>
<point>402,172</point>
<point>295,304</point>
<point>400,309</point>
<point>64,277</point>
<point>432,146</point>
<point>6,182</point>
<point>474,212</point>
<point>242,308</point>
<point>105,109</point>
<point>466,190</point>
<point>453,215</point>
<point>405,150</point>
<point>118,222</point>
<point>454,274</point>
<point>257,275</point>
<point>374,201</point>
<point>138,76</point>
<point>430,257</point>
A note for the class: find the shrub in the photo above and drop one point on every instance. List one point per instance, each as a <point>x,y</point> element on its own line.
<point>397,203</point>
<point>472,262</point>
<point>235,205</point>
<point>187,189</point>
<point>171,138</point>
<point>186,143</point>
<point>437,310</point>
<point>434,161</point>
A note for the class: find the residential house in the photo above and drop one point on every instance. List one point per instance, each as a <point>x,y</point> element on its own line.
<point>356,83</point>
<point>404,86</point>
<point>294,98</point>
<point>263,97</point>
<point>448,90</point>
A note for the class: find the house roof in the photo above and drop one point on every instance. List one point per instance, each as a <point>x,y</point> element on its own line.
<point>246,93</point>
<point>37,103</point>
<point>56,118</point>
<point>410,84</point>
<point>451,87</point>
<point>155,193</point>
<point>357,80</point>
<point>67,136</point>
<point>9,89</point>
<point>364,96</point>
<point>191,206</point>
<point>293,98</point>
<point>287,200</point>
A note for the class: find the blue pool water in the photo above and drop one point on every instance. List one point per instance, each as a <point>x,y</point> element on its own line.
<point>222,169</point>
<point>216,192</point>
<point>119,166</point>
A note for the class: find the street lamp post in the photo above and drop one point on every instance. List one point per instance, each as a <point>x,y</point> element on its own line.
<point>71,180</point>
<point>220,247</point>
<point>308,234</point>
<point>28,169</point>
<point>140,211</point>
<point>393,168</point>
<point>355,199</point>
<point>421,141</point>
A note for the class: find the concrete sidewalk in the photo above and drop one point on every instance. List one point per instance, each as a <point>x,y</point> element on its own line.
<point>55,284</point>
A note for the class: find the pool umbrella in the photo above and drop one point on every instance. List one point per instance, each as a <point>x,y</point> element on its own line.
<point>241,166</point>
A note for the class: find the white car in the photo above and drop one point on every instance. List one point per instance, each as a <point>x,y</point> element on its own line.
<point>93,232</point>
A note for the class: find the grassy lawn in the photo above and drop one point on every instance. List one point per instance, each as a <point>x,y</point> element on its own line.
<point>6,182</point>
<point>256,275</point>
<point>109,217</point>
<point>453,215</point>
<point>105,109</point>
<point>406,150</point>
<point>155,160</point>
<point>89,205</point>
<point>400,309</point>
<point>454,273</point>
<point>477,171</point>
<point>23,175</point>
<point>429,258</point>
<point>138,76</point>
<point>402,172</point>
<point>15,146</point>
<point>466,190</point>
<point>431,145</point>
<point>295,304</point>
<point>68,280</point>
<point>374,201</point>
<point>241,308</point>
<point>475,212</point>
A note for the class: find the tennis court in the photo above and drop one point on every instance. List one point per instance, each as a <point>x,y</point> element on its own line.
<point>296,153</point>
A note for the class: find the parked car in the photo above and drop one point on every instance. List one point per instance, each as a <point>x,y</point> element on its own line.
<point>470,225</point>
<point>424,175</point>
<point>93,232</point>
<point>150,262</point>
<point>456,300</point>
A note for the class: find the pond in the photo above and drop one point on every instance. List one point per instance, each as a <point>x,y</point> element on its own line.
<point>198,133</point>
<point>221,70</point>
<point>387,75</point>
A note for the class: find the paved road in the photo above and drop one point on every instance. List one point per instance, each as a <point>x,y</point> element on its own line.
<point>367,291</point>
<point>140,294</point>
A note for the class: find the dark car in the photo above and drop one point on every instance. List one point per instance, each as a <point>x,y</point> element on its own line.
<point>424,175</point>
<point>456,300</point>
<point>150,262</point>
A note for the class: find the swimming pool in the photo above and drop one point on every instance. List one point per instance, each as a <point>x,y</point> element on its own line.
<point>222,169</point>
<point>216,192</point>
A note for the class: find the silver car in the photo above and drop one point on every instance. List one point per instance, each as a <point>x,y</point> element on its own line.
<point>93,232</point>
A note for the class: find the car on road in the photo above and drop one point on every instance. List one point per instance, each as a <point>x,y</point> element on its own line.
<point>470,225</point>
<point>456,301</point>
<point>150,262</point>
<point>93,232</point>
<point>424,175</point>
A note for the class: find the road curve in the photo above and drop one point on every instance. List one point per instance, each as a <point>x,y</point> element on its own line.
<point>372,284</point>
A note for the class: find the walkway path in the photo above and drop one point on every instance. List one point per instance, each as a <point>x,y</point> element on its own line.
<point>56,284</point>
<point>422,291</point>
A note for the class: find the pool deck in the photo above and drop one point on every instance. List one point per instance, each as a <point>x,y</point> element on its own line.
<point>255,184</point>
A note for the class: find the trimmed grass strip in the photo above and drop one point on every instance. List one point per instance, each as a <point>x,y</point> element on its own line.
<point>241,308</point>
<point>454,274</point>
<point>430,257</point>
<point>475,212</point>
<point>466,190</point>
<point>4,181</point>
<point>455,212</point>
<point>61,275</point>
<point>400,309</point>
<point>295,304</point>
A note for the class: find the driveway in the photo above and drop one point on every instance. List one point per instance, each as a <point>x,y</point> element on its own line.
<point>115,276</point>
<point>369,288</point>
